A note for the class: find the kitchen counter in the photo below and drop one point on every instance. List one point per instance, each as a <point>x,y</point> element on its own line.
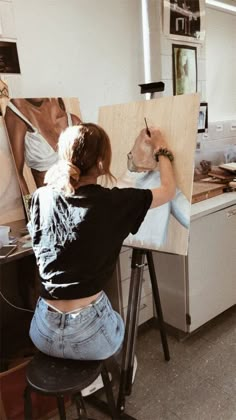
<point>212,205</point>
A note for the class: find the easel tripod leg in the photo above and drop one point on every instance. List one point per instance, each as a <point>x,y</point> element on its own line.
<point>131,328</point>
<point>157,300</point>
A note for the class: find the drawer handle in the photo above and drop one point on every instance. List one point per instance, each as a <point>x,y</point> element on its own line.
<point>143,306</point>
<point>231,213</point>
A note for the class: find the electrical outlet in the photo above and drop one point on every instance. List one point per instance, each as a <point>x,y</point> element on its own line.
<point>233,126</point>
<point>198,145</point>
<point>219,127</point>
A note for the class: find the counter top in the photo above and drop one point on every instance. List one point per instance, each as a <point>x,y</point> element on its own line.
<point>212,204</point>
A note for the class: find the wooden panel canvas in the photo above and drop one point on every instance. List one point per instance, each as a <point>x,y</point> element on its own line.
<point>165,228</point>
<point>11,207</point>
<point>33,126</point>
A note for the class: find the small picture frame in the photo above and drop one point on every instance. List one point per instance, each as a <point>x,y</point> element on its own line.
<point>184,60</point>
<point>9,60</point>
<point>184,20</point>
<point>203,117</point>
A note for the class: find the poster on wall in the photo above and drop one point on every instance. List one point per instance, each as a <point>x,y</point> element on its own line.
<point>184,20</point>
<point>184,69</point>
<point>166,227</point>
<point>33,126</point>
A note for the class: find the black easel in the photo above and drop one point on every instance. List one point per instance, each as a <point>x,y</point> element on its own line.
<point>137,266</point>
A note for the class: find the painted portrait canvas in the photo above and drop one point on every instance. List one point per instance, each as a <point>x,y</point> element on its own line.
<point>165,228</point>
<point>11,207</point>
<point>33,126</point>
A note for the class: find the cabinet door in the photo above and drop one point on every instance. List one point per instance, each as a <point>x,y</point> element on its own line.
<point>212,266</point>
<point>171,278</point>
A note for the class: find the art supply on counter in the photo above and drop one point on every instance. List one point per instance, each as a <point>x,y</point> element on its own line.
<point>26,241</point>
<point>229,166</point>
<point>12,240</point>
<point>222,174</point>
<point>4,235</point>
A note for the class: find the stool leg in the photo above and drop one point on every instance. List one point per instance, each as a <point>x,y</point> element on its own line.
<point>81,410</point>
<point>27,404</point>
<point>61,407</point>
<point>109,393</point>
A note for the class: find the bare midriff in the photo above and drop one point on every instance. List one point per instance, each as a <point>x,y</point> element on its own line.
<point>72,304</point>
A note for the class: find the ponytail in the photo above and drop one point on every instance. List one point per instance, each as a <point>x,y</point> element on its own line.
<point>64,176</point>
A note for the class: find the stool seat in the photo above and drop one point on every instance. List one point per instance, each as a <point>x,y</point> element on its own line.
<point>58,378</point>
<point>52,375</point>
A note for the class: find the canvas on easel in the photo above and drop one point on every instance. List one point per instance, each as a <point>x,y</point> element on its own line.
<point>33,126</point>
<point>165,228</point>
<point>11,208</point>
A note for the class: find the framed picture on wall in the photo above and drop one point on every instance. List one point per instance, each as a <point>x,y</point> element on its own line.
<point>203,117</point>
<point>184,60</point>
<point>9,61</point>
<point>184,20</point>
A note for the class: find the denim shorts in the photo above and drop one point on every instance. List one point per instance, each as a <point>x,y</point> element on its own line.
<point>95,332</point>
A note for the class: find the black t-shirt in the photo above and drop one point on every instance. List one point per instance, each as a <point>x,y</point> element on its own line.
<point>77,239</point>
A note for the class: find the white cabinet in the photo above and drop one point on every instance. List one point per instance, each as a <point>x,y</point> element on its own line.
<point>196,288</point>
<point>212,266</point>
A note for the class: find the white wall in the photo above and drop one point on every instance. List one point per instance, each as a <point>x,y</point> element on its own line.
<point>90,49</point>
<point>221,64</point>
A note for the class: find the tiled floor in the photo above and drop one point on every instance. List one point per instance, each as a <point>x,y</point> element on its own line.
<point>198,383</point>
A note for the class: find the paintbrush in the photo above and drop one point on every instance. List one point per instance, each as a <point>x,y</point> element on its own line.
<point>147,129</point>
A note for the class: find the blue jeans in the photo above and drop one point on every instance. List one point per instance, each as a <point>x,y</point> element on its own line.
<point>95,332</point>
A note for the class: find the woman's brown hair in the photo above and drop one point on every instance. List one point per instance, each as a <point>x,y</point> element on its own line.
<point>80,148</point>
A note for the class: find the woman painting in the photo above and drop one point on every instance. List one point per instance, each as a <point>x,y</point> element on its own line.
<point>34,125</point>
<point>77,228</point>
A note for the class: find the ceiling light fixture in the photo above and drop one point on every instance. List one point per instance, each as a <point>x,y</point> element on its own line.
<point>221,5</point>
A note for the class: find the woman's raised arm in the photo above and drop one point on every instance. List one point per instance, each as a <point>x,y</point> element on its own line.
<point>166,191</point>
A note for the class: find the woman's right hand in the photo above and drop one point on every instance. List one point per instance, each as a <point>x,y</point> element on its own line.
<point>156,140</point>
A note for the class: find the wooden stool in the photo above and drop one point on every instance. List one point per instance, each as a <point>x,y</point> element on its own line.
<point>59,377</point>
